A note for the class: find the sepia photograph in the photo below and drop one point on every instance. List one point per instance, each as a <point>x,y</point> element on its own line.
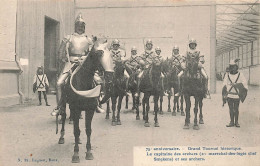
<point>130,82</point>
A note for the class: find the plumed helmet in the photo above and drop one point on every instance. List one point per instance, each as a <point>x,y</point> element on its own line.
<point>175,47</point>
<point>193,41</point>
<point>158,49</point>
<point>116,42</point>
<point>149,41</point>
<point>79,19</point>
<point>133,49</point>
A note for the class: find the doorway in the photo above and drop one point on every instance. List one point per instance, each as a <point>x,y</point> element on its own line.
<point>51,46</point>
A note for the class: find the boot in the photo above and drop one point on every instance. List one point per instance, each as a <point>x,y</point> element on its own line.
<point>231,124</point>
<point>236,119</point>
<point>127,89</point>
<point>40,103</point>
<point>47,104</point>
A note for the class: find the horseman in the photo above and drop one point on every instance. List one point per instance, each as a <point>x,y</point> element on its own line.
<point>135,61</point>
<point>177,59</point>
<point>73,49</point>
<point>194,63</point>
<point>159,57</point>
<point>118,54</point>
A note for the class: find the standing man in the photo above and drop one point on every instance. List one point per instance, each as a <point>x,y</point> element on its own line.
<point>42,84</point>
<point>236,87</point>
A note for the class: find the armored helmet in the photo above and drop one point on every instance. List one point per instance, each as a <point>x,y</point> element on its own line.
<point>116,42</point>
<point>158,49</point>
<point>193,41</point>
<point>79,19</point>
<point>149,41</point>
<point>175,47</point>
<point>133,49</point>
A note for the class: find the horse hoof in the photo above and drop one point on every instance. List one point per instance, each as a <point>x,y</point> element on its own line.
<point>156,124</point>
<point>114,123</point>
<point>173,113</point>
<point>79,141</point>
<point>61,141</point>
<point>182,114</point>
<point>137,117</point>
<point>71,122</point>
<point>146,124</point>
<point>201,121</point>
<point>107,116</point>
<point>186,126</point>
<point>196,127</point>
<point>89,156</point>
<point>75,159</point>
<point>169,110</point>
<point>161,112</point>
<point>119,123</point>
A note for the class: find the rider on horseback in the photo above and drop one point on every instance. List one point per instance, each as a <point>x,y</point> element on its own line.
<point>135,60</point>
<point>194,63</point>
<point>119,54</point>
<point>73,49</point>
<point>177,59</point>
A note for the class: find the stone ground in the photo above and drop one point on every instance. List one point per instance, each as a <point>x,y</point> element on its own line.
<point>28,132</point>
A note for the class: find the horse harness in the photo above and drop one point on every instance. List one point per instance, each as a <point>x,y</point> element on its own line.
<point>229,91</point>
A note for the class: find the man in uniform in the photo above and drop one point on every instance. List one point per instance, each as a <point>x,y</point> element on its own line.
<point>177,59</point>
<point>193,59</point>
<point>73,49</point>
<point>135,61</point>
<point>118,54</point>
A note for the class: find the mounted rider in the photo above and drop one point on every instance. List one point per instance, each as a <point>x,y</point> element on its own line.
<point>135,61</point>
<point>119,54</point>
<point>160,59</point>
<point>73,49</point>
<point>194,63</point>
<point>176,59</point>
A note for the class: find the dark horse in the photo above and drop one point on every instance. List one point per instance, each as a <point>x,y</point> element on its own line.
<point>83,81</point>
<point>118,91</point>
<point>193,85</point>
<point>150,84</point>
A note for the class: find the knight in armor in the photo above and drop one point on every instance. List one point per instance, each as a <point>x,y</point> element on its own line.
<point>236,88</point>
<point>159,58</point>
<point>176,59</point>
<point>73,49</point>
<point>135,60</point>
<point>194,63</point>
<point>118,54</point>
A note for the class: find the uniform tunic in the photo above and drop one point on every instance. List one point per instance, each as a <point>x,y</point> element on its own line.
<point>148,57</point>
<point>226,82</point>
<point>41,80</point>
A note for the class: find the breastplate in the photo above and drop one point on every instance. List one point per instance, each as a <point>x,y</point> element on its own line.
<point>79,45</point>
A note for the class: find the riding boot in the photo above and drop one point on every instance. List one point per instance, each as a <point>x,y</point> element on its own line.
<point>231,124</point>
<point>236,119</point>
<point>127,87</point>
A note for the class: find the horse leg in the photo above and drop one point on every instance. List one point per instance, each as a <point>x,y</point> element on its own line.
<point>62,132</point>
<point>113,110</point>
<point>136,105</point>
<point>71,117</point>
<point>201,115</point>
<point>182,112</point>
<point>177,102</point>
<point>195,126</point>
<point>169,103</point>
<point>88,120</point>
<point>108,110</point>
<point>118,109</point>
<point>161,101</point>
<point>133,97</point>
<point>143,103</point>
<point>76,115</point>
<point>187,110</point>
<point>175,99</point>
<point>126,102</point>
<point>146,101</point>
<point>156,98</point>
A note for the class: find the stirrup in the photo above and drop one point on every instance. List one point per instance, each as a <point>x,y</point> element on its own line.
<point>55,111</point>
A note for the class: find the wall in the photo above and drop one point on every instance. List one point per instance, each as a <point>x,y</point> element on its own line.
<point>133,22</point>
<point>30,34</point>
